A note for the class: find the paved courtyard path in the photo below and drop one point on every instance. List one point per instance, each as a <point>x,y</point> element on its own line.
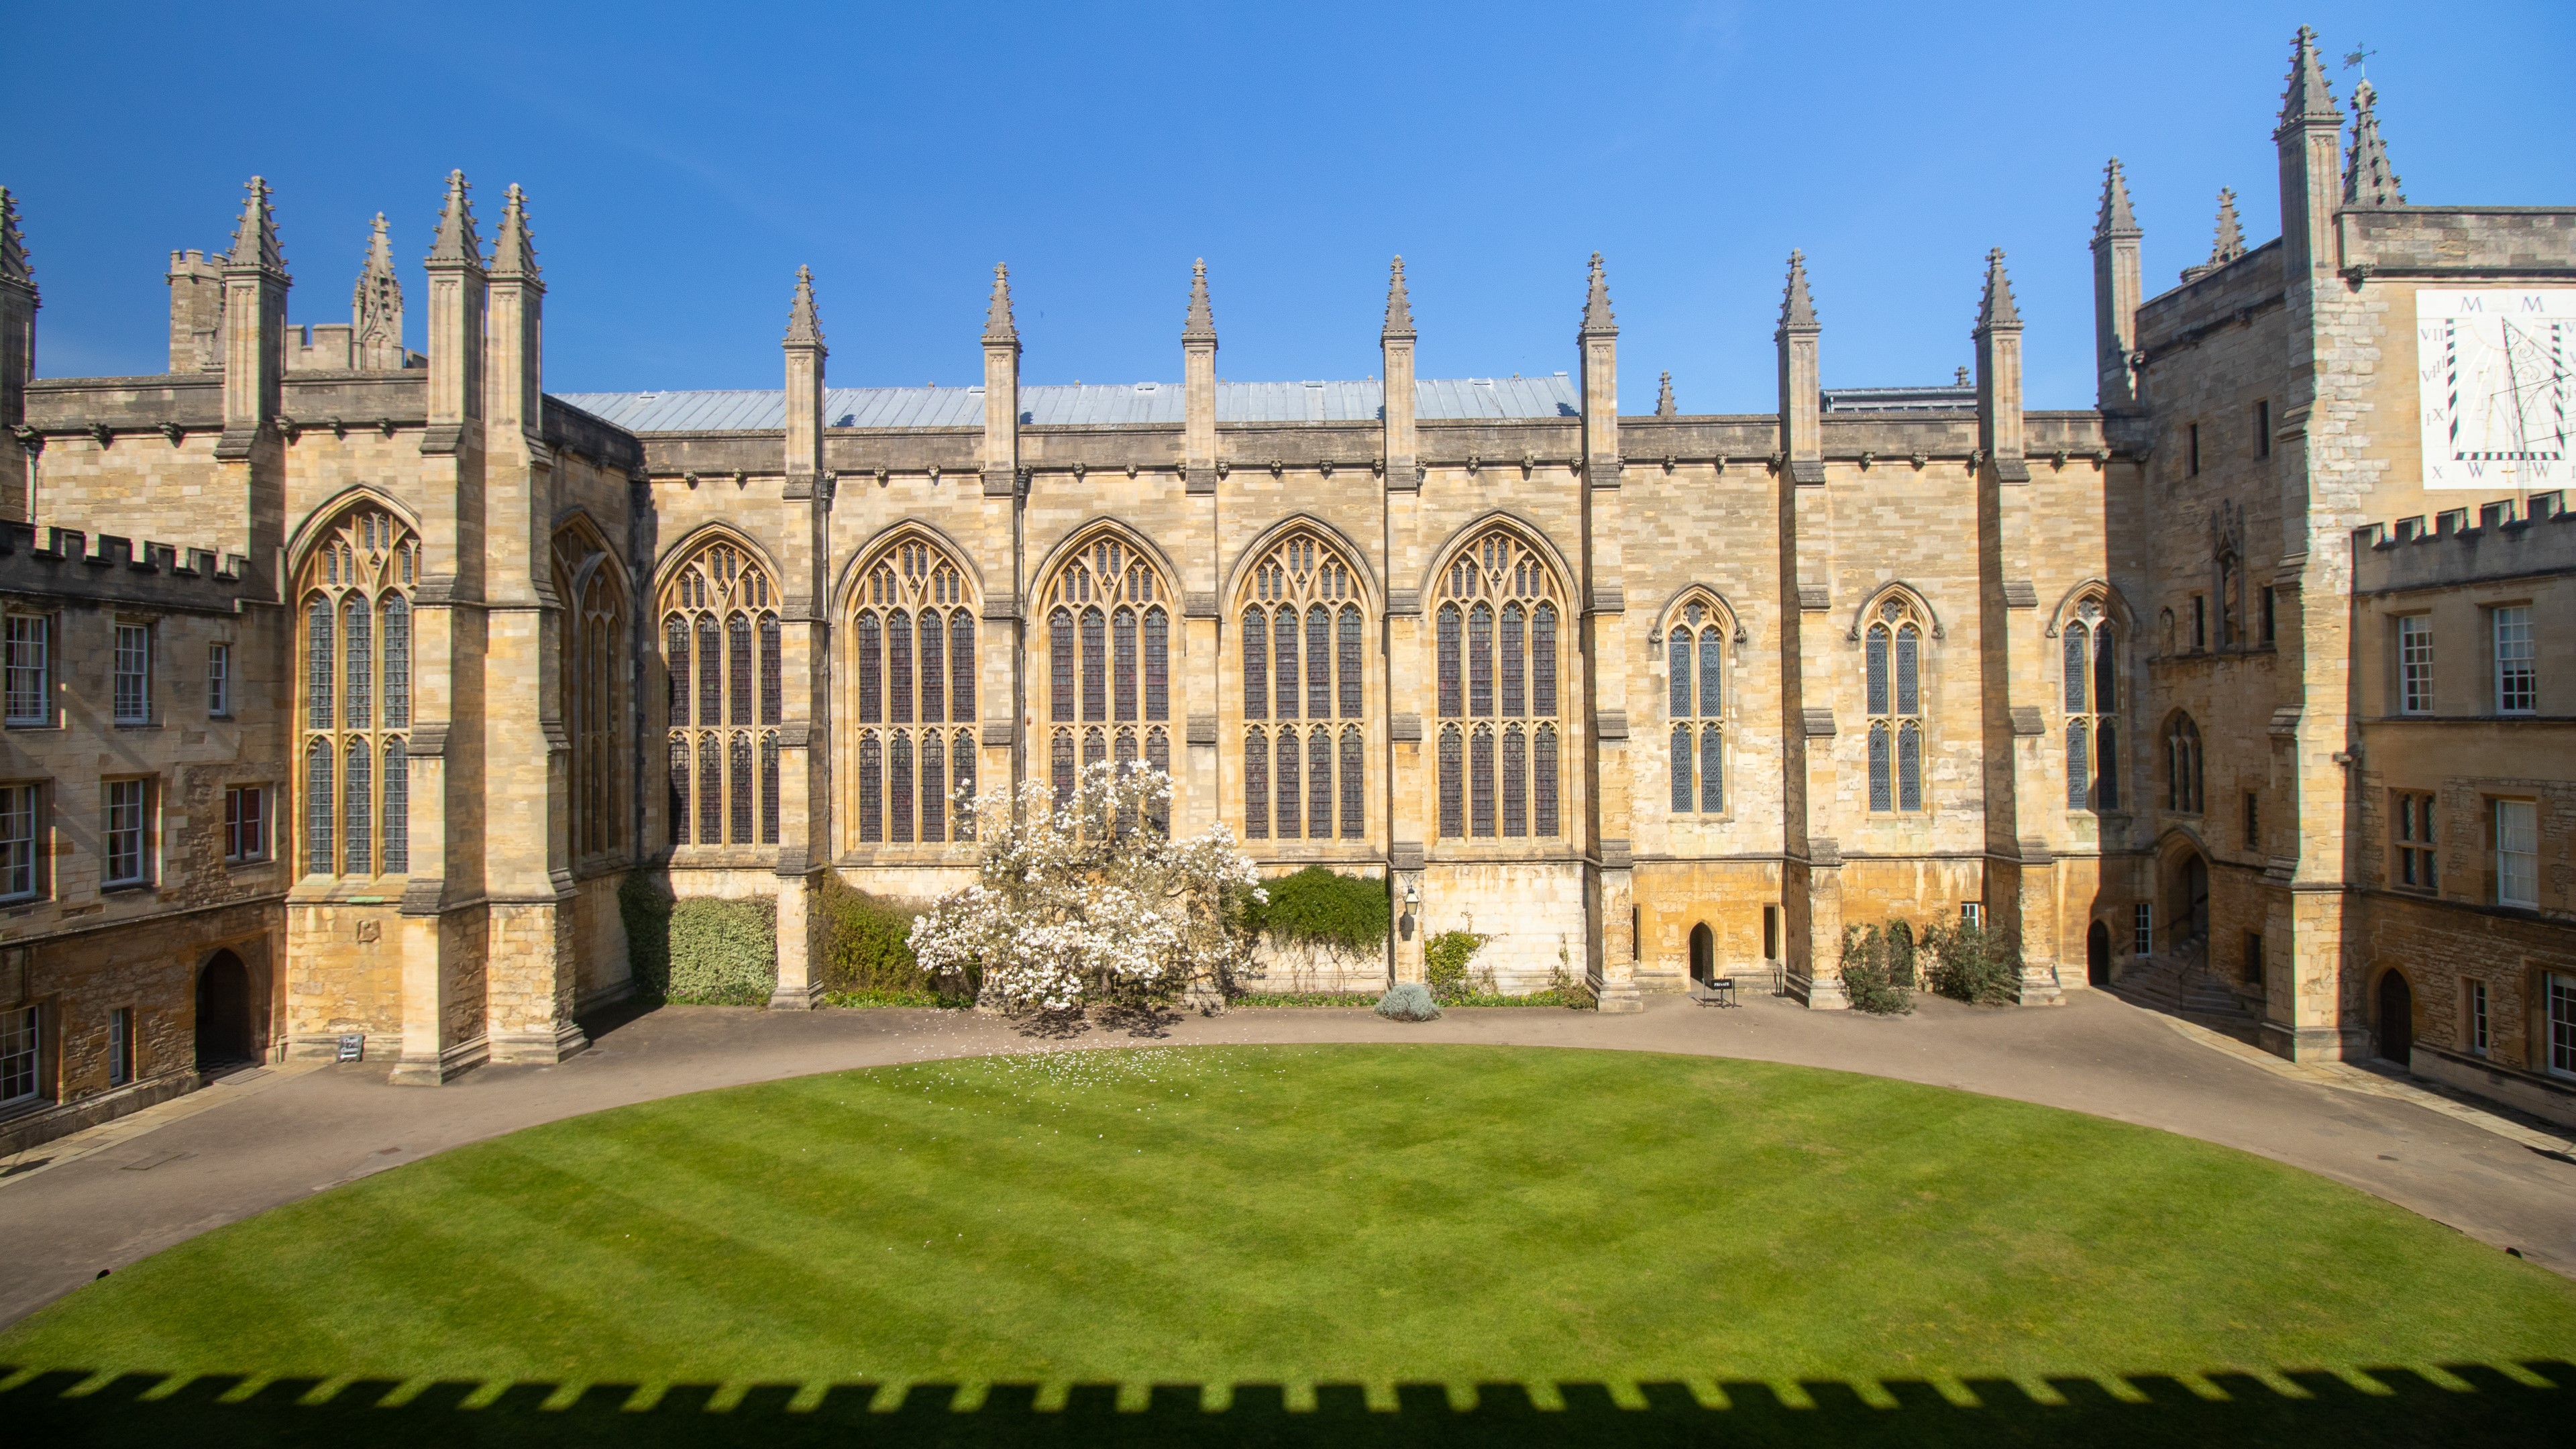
<point>106,1198</point>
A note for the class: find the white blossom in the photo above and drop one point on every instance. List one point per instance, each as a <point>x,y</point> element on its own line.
<point>1086,900</point>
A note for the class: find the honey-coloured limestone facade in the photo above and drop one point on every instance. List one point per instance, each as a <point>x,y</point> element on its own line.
<point>1650,698</point>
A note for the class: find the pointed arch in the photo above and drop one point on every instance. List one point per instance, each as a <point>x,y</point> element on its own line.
<point>1696,630</point>
<point>331,512</point>
<point>1707,596</point>
<point>698,540</point>
<point>1503,611</point>
<point>1085,534</point>
<point>1372,596</point>
<point>351,594</point>
<point>854,568</point>
<point>910,609</point>
<point>1896,693</point>
<point>1529,534</point>
<point>591,585</point>
<point>2102,592</point>
<point>1912,598</point>
<point>2091,626</point>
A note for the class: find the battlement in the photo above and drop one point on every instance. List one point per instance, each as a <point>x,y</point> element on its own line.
<point>2503,543</point>
<point>159,576</point>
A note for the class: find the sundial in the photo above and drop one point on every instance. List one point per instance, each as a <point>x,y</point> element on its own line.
<point>2492,367</point>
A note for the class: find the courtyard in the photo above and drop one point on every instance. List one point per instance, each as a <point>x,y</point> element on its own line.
<point>1309,1226</point>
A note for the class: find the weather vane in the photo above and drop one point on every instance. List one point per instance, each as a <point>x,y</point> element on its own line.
<point>2358,58</point>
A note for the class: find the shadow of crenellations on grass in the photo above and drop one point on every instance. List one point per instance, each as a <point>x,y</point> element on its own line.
<point>2482,1403</point>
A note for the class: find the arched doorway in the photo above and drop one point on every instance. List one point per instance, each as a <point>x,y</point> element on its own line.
<point>1703,955</point>
<point>223,1013</point>
<point>2097,955</point>
<point>2396,1019</point>
<point>2191,902</point>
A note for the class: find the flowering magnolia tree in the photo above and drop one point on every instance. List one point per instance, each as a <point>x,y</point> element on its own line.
<point>1088,900</point>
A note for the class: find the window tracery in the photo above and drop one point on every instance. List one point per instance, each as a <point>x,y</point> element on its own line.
<point>721,640</point>
<point>1893,650</point>
<point>1305,672</point>
<point>2182,766</point>
<point>2088,647</point>
<point>593,704</point>
<point>1498,621</point>
<point>1695,706</point>
<point>912,658</point>
<point>356,623</point>
<point>1109,662</point>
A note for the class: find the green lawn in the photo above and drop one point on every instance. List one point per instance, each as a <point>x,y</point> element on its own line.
<point>1318,1244</point>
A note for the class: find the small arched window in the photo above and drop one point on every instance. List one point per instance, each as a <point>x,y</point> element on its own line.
<point>722,640</point>
<point>912,666</point>
<point>1695,705</point>
<point>1304,672</point>
<point>357,665</point>
<point>1497,630</point>
<point>2088,645</point>
<point>1109,665</point>
<point>1893,658</point>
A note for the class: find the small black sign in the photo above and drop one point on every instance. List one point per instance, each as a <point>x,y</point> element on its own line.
<point>353,1046</point>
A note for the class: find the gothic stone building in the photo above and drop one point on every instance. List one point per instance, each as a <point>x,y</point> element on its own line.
<point>2164,687</point>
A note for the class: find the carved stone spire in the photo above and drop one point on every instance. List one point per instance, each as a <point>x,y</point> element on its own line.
<point>1596,302</point>
<point>1997,309</point>
<point>13,245</point>
<point>2115,219</point>
<point>456,240</point>
<point>1200,326</point>
<point>1399,307</point>
<point>376,308</point>
<point>998,323</point>
<point>255,238</point>
<point>2230,241</point>
<point>2367,179</point>
<point>514,251</point>
<point>804,329</point>
<point>1795,310</point>
<point>2308,97</point>
<point>1664,397</point>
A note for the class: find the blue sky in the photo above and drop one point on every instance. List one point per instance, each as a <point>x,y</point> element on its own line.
<point>682,161</point>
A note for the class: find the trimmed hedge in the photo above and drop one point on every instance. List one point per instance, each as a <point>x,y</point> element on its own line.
<point>723,953</point>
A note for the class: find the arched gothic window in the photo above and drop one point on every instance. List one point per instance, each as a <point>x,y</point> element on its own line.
<point>912,666</point>
<point>1893,647</point>
<point>1109,662</point>
<point>1694,663</point>
<point>2089,659</point>
<point>2182,766</point>
<point>1499,630</point>
<point>721,639</point>
<point>356,712</point>
<point>593,704</point>
<point>1305,670</point>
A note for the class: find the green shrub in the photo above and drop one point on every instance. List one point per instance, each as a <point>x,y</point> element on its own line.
<point>723,953</point>
<point>865,947</point>
<point>645,906</point>
<point>1972,964</point>
<point>1304,998</point>
<point>1878,968</point>
<point>1407,1001</point>
<point>1343,914</point>
<point>1444,963</point>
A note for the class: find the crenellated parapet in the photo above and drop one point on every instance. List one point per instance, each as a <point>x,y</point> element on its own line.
<point>59,563</point>
<point>2496,541</point>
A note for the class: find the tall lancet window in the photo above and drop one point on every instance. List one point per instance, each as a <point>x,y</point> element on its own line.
<point>356,648</point>
<point>593,707</point>
<point>720,622</point>
<point>1893,646</point>
<point>1695,706</point>
<point>2088,644</point>
<point>1107,613</point>
<point>1497,630</point>
<point>1305,686</point>
<point>912,665</point>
